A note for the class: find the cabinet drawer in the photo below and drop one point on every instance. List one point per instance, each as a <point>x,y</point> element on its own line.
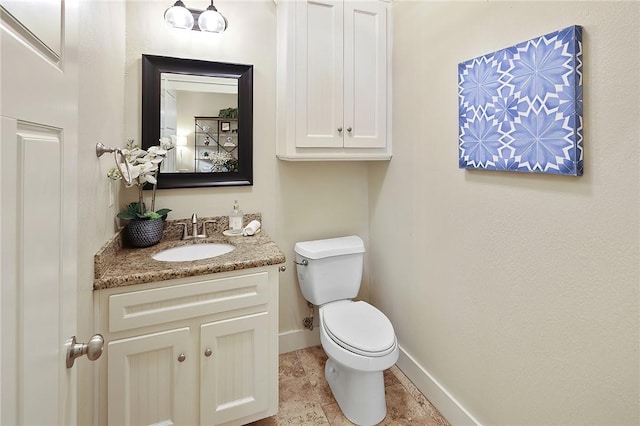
<point>166,304</point>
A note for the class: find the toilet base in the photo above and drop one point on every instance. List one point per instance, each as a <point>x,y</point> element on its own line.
<point>360,394</point>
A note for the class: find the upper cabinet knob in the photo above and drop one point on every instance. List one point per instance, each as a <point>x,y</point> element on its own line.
<point>339,129</point>
<point>349,129</point>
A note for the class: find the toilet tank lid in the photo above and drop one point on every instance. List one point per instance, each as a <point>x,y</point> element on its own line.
<point>319,249</point>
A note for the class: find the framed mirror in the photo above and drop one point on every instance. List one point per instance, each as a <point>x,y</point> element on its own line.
<point>206,110</point>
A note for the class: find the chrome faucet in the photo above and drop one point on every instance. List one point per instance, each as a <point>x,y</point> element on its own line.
<point>194,228</point>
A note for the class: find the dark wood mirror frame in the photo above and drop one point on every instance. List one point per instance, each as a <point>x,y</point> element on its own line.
<point>152,68</point>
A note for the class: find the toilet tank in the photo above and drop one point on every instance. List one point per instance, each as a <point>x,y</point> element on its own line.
<point>329,269</point>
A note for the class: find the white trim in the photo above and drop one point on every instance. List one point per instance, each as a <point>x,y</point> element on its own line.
<point>294,340</point>
<point>448,406</point>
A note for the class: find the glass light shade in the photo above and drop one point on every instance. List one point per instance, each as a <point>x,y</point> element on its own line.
<point>178,16</point>
<point>212,21</point>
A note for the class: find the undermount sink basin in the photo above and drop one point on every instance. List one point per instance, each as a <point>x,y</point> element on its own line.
<point>193,252</point>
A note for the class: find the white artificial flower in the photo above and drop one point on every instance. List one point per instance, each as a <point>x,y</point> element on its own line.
<point>157,151</point>
<point>140,167</point>
<point>165,143</point>
<point>220,158</point>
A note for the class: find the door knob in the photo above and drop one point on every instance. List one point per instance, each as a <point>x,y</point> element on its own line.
<point>93,349</point>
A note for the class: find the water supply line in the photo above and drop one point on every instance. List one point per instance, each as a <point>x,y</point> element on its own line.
<point>308,321</point>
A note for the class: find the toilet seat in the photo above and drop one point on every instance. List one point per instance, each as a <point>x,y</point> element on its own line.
<point>359,328</point>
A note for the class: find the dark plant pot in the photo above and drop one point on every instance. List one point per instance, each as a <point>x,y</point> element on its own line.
<point>143,233</point>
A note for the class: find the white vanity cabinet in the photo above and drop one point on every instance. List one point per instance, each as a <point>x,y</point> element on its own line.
<point>200,350</point>
<point>334,80</point>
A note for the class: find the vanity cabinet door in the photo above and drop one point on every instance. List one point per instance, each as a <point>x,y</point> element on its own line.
<point>152,379</point>
<point>234,368</point>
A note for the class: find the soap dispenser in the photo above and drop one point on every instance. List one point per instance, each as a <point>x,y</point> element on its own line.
<point>235,219</point>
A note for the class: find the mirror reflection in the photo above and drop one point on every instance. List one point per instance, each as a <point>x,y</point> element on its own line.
<point>199,114</point>
<point>206,109</point>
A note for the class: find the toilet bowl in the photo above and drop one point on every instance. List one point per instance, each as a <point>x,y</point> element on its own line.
<point>358,339</point>
<point>358,335</point>
<point>358,353</point>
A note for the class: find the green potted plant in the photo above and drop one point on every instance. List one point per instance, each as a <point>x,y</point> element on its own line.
<point>228,113</point>
<point>140,167</point>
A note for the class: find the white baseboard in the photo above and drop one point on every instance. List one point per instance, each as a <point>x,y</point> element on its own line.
<point>294,340</point>
<point>448,406</point>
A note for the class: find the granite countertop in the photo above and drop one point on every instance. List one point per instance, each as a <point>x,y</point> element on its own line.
<point>119,266</point>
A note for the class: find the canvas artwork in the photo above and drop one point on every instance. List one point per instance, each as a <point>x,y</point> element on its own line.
<point>520,108</point>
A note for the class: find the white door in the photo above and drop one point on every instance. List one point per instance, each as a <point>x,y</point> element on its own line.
<point>38,203</point>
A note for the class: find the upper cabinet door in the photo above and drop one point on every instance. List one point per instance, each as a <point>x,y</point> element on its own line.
<point>333,80</point>
<point>365,74</point>
<point>319,74</point>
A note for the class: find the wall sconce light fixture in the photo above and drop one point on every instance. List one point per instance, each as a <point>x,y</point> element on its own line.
<point>181,140</point>
<point>210,20</point>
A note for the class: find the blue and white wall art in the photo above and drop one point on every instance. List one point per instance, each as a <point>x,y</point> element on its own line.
<point>521,107</point>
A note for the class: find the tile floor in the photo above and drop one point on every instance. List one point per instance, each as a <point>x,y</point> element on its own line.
<point>305,397</point>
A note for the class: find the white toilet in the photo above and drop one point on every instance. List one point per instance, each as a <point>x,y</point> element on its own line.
<point>358,339</point>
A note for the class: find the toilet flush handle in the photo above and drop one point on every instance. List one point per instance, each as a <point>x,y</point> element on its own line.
<point>304,262</point>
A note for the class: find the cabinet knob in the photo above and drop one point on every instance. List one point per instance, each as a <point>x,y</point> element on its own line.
<point>339,129</point>
<point>349,129</point>
<point>181,357</point>
<point>282,268</point>
<point>208,352</point>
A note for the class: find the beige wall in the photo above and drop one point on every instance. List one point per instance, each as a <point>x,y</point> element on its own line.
<point>101,98</point>
<point>298,201</point>
<point>517,293</point>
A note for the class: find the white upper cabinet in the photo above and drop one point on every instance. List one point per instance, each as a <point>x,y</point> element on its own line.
<point>333,80</point>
